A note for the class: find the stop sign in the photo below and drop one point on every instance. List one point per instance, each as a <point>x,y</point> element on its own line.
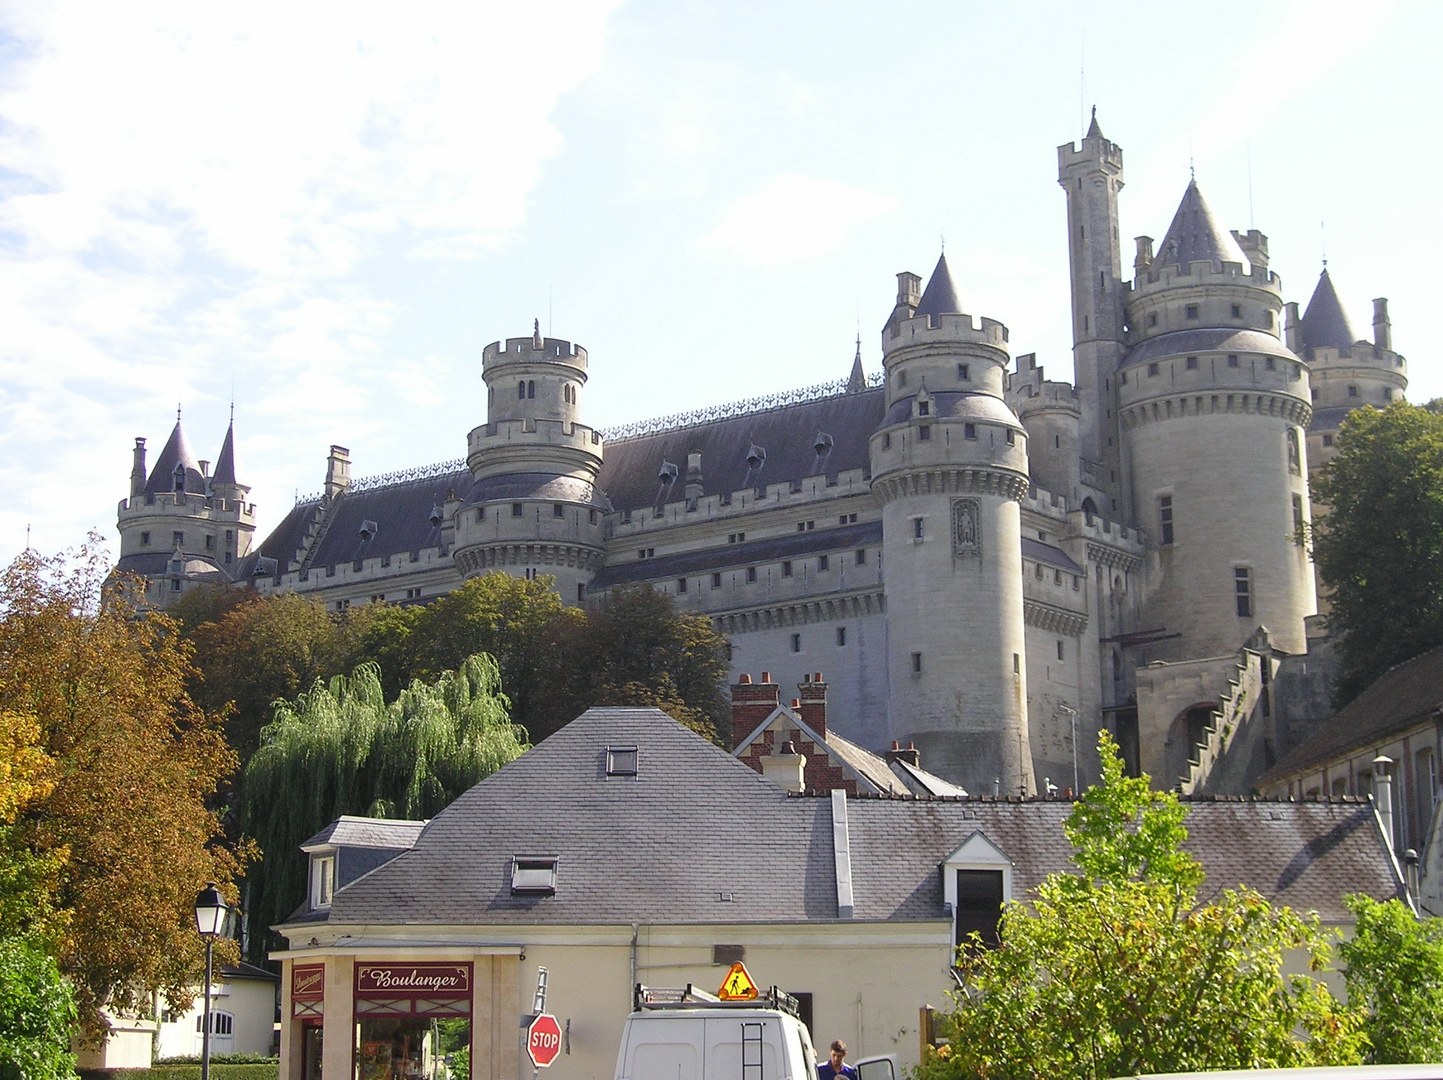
<point>543,1040</point>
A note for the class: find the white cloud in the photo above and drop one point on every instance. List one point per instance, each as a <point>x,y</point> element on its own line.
<point>793,218</point>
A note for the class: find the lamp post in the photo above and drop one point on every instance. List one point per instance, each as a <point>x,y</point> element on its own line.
<point>210,913</point>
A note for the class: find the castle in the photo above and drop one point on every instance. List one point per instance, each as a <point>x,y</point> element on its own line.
<point>988,564</point>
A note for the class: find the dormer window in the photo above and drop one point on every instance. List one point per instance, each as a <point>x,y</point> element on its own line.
<point>180,477</point>
<point>533,874</point>
<point>323,881</point>
<point>621,761</point>
<point>924,408</point>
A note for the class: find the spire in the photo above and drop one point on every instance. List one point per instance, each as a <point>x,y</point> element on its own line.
<point>940,296</point>
<point>225,462</point>
<point>1195,236</point>
<point>857,381</point>
<point>1325,323</point>
<point>1093,130</point>
<point>176,462</point>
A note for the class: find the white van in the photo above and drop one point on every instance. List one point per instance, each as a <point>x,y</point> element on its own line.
<point>691,1035</point>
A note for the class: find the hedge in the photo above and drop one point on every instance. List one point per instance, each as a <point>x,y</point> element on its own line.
<point>186,1072</point>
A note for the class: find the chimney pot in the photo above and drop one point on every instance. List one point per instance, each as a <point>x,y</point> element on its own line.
<point>745,680</point>
<point>766,676</point>
<point>796,703</point>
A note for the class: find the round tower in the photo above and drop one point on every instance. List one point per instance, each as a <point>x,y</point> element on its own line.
<point>949,465</point>
<point>535,508</point>
<point>1214,409</point>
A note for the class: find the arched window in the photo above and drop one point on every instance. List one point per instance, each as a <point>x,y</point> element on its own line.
<point>521,390</point>
<point>531,389</point>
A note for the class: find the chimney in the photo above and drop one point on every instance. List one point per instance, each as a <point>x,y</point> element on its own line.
<point>1410,878</point>
<point>204,468</point>
<point>786,769</point>
<point>693,479</point>
<point>137,469</point>
<point>812,703</point>
<point>1383,796</point>
<point>1143,259</point>
<point>911,755</point>
<point>752,703</point>
<point>338,472</point>
<point>1293,328</point>
<point>1382,326</point>
<point>909,289</point>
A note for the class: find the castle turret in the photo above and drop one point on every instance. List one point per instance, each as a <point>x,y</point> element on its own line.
<point>1092,178</point>
<point>949,465</point>
<point>1347,371</point>
<point>180,528</point>
<point>535,508</point>
<point>1213,408</point>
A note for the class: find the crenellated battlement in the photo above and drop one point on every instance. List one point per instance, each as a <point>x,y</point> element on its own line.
<point>180,504</point>
<point>1152,278</point>
<point>525,351</point>
<point>1093,152</point>
<point>536,432</point>
<point>945,330</point>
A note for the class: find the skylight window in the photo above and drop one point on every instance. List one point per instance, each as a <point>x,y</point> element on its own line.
<point>535,874</point>
<point>621,761</point>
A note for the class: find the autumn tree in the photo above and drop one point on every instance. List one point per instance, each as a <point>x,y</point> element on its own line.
<point>1118,970</point>
<point>342,748</point>
<point>1379,549</point>
<point>123,822</point>
<point>1394,967</point>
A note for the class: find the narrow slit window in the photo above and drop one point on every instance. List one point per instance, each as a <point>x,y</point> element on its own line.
<point>1164,519</point>
<point>1243,588</point>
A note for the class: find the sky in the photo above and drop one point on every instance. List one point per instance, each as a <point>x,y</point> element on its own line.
<point>323,212</point>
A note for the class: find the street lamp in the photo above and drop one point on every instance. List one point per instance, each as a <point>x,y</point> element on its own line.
<point>210,913</point>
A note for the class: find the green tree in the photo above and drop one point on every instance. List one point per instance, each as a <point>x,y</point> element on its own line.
<point>341,748</point>
<point>1118,970</point>
<point>1379,549</point>
<point>37,1011</point>
<point>1395,969</point>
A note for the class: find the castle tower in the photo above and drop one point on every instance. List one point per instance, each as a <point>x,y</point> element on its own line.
<point>1092,177</point>
<point>535,508</point>
<point>1213,409</point>
<point>949,466</point>
<point>1346,370</point>
<point>181,527</point>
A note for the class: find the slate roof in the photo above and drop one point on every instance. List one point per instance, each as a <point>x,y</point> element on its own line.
<point>225,463</point>
<point>788,435</point>
<point>1306,855</point>
<point>157,563</point>
<point>1195,236</point>
<point>1325,323</point>
<point>950,403</point>
<point>696,825</point>
<point>1328,419</point>
<point>709,560</point>
<point>1404,697</point>
<point>1052,556</point>
<point>1220,339</point>
<point>940,295</point>
<point>176,451</point>
<point>368,832</point>
<point>692,826</point>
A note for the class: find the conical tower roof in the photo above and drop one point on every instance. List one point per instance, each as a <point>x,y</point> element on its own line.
<point>177,452</point>
<point>1094,131</point>
<point>225,463</point>
<point>857,381</point>
<point>940,295</point>
<point>1195,236</point>
<point>1325,323</point>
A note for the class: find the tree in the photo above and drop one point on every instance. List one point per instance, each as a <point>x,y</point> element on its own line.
<point>1379,549</point>
<point>1118,970</point>
<point>340,748</point>
<point>37,1009</point>
<point>1395,969</point>
<point>125,828</point>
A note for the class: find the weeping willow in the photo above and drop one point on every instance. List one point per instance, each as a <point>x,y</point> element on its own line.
<point>340,748</point>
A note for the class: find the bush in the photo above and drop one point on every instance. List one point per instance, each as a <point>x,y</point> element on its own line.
<point>267,1071</point>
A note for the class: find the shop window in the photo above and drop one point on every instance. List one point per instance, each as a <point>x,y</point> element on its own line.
<point>534,874</point>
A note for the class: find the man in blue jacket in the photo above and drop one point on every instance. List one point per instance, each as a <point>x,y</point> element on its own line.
<point>833,1066</point>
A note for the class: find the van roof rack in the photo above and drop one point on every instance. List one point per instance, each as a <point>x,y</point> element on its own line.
<point>658,997</point>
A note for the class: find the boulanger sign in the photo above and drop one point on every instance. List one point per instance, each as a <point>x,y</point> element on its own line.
<point>308,989</point>
<point>430,981</point>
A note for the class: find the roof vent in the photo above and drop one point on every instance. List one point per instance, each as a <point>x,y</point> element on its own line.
<point>756,456</point>
<point>437,515</point>
<point>368,529</point>
<point>533,874</point>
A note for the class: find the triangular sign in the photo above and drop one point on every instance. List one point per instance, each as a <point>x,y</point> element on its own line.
<point>738,985</point>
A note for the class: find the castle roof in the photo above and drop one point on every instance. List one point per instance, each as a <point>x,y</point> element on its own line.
<point>940,295</point>
<point>225,463</point>
<point>1218,339</point>
<point>1094,131</point>
<point>177,452</point>
<point>1195,236</point>
<point>1325,323</point>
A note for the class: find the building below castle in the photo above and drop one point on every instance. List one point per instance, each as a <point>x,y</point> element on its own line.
<point>989,565</point>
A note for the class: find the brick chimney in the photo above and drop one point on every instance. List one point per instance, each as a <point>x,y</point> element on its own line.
<point>812,703</point>
<point>911,755</point>
<point>752,703</point>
